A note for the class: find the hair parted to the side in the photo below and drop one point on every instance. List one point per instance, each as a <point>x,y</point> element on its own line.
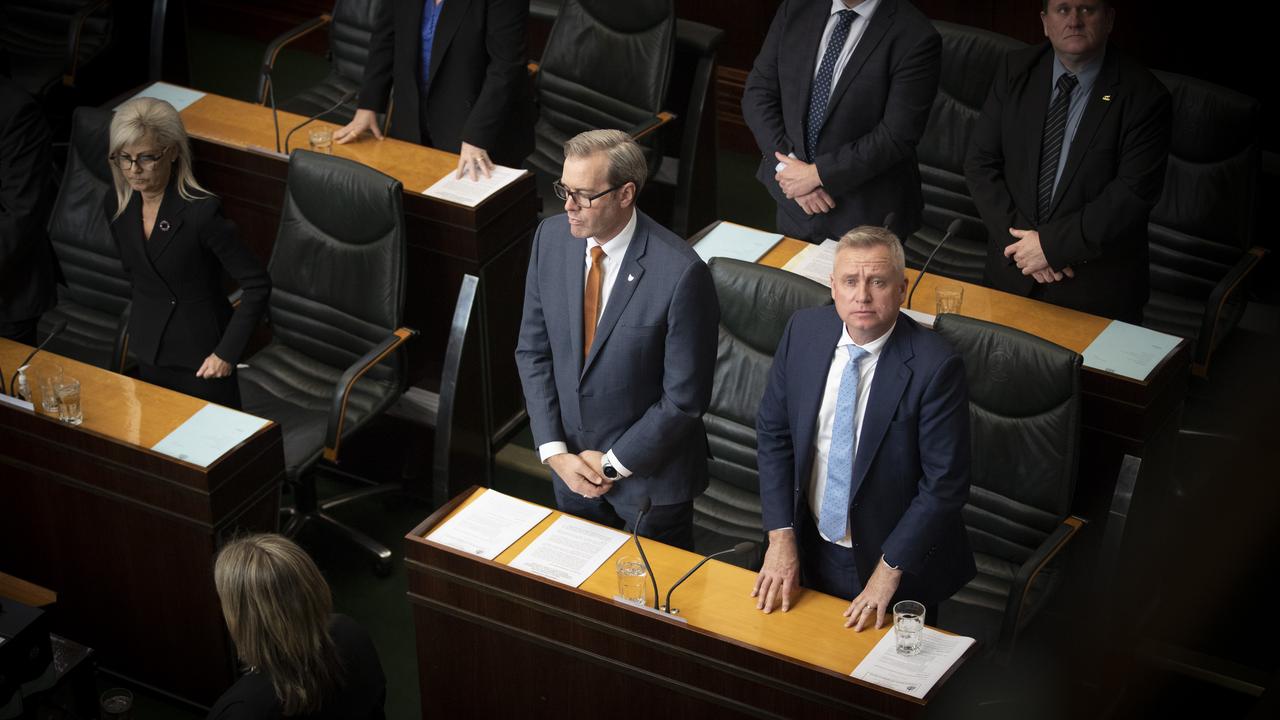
<point>626,160</point>
<point>869,236</point>
<point>277,606</point>
<point>138,118</point>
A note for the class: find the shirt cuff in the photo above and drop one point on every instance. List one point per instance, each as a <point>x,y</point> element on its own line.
<point>612,459</point>
<point>546,450</point>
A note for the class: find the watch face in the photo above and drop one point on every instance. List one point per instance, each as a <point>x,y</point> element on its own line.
<point>609,472</point>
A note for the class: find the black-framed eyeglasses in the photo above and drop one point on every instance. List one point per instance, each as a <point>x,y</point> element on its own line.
<point>146,161</point>
<point>580,198</point>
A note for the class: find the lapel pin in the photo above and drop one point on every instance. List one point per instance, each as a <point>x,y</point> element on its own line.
<point>630,277</point>
<point>1106,98</point>
<point>164,226</point>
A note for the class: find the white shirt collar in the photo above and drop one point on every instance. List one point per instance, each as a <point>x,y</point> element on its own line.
<point>617,247</point>
<point>864,9</point>
<point>874,347</point>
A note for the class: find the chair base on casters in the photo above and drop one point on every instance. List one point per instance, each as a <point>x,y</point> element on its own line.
<point>307,510</point>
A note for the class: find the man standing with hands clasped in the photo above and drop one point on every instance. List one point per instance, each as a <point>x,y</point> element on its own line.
<point>863,448</point>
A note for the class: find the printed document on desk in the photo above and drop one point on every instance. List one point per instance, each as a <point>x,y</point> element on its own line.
<point>913,675</point>
<point>468,192</point>
<point>736,242</point>
<point>489,524</point>
<point>570,550</point>
<point>209,434</point>
<point>1128,350</point>
<point>815,262</point>
<point>178,97</point>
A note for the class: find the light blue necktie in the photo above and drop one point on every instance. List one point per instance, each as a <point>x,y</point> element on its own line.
<point>821,92</point>
<point>834,515</point>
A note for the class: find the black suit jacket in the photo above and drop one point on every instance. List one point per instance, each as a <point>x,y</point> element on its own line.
<point>26,258</point>
<point>479,84</point>
<point>180,312</point>
<point>1097,222</point>
<point>876,115</point>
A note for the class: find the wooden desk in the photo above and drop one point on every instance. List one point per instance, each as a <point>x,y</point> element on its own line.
<point>234,143</point>
<point>126,536</point>
<point>498,642</point>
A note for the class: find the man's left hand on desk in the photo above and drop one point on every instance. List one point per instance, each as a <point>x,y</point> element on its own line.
<point>874,599</point>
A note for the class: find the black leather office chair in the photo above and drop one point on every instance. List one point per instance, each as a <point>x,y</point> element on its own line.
<point>94,299</point>
<point>755,304</point>
<point>351,25</point>
<point>969,59</point>
<point>51,42</point>
<point>606,65</point>
<point>1201,232</point>
<point>461,452</point>
<point>1024,409</point>
<point>337,301</point>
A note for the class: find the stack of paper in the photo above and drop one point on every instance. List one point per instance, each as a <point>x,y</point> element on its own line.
<point>570,550</point>
<point>736,242</point>
<point>208,434</point>
<point>912,675</point>
<point>1128,350</point>
<point>489,525</point>
<point>815,262</point>
<point>469,192</point>
<point>178,97</point>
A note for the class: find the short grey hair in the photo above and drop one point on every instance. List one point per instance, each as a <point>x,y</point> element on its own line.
<point>869,236</point>
<point>144,116</point>
<point>626,159</point>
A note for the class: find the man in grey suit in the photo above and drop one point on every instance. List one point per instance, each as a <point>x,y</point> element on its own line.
<point>617,348</point>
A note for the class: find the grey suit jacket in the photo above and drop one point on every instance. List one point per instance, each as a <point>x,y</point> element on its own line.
<point>646,382</point>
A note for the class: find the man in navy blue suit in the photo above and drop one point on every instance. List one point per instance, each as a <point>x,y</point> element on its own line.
<point>863,447</point>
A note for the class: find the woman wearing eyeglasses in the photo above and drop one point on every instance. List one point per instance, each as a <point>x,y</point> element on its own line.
<point>175,245</point>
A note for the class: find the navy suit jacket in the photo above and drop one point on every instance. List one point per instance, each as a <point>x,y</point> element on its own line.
<point>647,380</point>
<point>911,467</point>
<point>877,113</point>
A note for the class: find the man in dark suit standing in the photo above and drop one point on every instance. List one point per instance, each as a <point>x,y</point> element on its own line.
<point>838,126</point>
<point>863,447</point>
<point>1066,162</point>
<point>459,77</point>
<point>617,348</point>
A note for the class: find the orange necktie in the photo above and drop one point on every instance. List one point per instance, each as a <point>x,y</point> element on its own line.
<point>591,299</point>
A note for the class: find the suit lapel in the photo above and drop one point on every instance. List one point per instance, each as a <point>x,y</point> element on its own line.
<point>1035,106</point>
<point>1095,110</point>
<point>805,35</point>
<point>813,361</point>
<point>624,286</point>
<point>451,14</point>
<point>168,220</point>
<point>574,284</point>
<point>892,375</point>
<point>879,24</point>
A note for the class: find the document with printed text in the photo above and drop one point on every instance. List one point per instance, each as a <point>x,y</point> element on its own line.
<point>489,525</point>
<point>736,242</point>
<point>1129,350</point>
<point>469,192</point>
<point>815,262</point>
<point>912,675</point>
<point>570,550</point>
<point>209,434</point>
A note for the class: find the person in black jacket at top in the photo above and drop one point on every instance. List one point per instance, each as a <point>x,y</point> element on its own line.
<point>175,245</point>
<point>303,661</point>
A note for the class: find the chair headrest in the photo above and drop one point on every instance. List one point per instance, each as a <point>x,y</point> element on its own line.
<point>756,301</point>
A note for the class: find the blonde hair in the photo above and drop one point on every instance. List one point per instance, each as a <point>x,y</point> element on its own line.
<point>144,116</point>
<point>869,236</point>
<point>626,160</point>
<point>277,607</point>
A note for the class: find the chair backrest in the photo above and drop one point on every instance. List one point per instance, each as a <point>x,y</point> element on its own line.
<point>1024,412</point>
<point>606,65</point>
<point>337,268</point>
<point>969,60</point>
<point>349,34</point>
<point>461,454</point>
<point>78,226</point>
<point>756,302</point>
<point>1205,217</point>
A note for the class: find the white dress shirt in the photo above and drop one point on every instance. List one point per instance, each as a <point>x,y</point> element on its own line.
<point>615,250</point>
<point>827,416</point>
<point>856,30</point>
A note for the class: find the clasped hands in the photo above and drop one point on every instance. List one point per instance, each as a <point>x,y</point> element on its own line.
<point>799,181</point>
<point>1029,256</point>
<point>583,472</point>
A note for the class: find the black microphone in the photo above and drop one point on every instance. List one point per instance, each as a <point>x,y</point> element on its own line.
<point>350,94</point>
<point>57,328</point>
<point>952,229</point>
<point>635,537</point>
<point>271,94</point>
<point>740,547</point>
<point>888,220</point>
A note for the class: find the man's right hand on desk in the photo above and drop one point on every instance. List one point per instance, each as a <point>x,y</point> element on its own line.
<point>364,120</point>
<point>779,577</point>
<point>578,475</point>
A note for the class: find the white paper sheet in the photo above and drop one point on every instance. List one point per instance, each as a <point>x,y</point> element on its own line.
<point>17,402</point>
<point>208,434</point>
<point>465,191</point>
<point>1128,350</point>
<point>912,675</point>
<point>489,524</point>
<point>815,262</point>
<point>178,97</point>
<point>570,550</point>
<point>736,242</point>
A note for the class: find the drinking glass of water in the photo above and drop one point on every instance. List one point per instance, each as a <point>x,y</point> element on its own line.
<point>632,580</point>
<point>48,375</point>
<point>908,626</point>
<point>321,139</point>
<point>68,392</point>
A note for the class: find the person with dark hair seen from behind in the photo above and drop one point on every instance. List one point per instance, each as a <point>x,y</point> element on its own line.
<point>27,265</point>
<point>303,661</point>
<point>175,244</point>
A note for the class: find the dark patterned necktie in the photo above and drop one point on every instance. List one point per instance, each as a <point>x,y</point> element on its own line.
<point>1055,130</point>
<point>821,92</point>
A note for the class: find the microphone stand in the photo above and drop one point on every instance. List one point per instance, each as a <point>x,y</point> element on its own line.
<point>952,229</point>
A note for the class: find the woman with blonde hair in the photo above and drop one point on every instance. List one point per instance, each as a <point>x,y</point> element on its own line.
<point>175,245</point>
<point>303,661</point>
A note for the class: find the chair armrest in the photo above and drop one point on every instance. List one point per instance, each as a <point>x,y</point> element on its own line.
<point>1222,292</point>
<point>73,39</point>
<point>269,57</point>
<point>544,10</point>
<point>120,348</point>
<point>1030,569</point>
<point>338,411</point>
<point>651,125</point>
